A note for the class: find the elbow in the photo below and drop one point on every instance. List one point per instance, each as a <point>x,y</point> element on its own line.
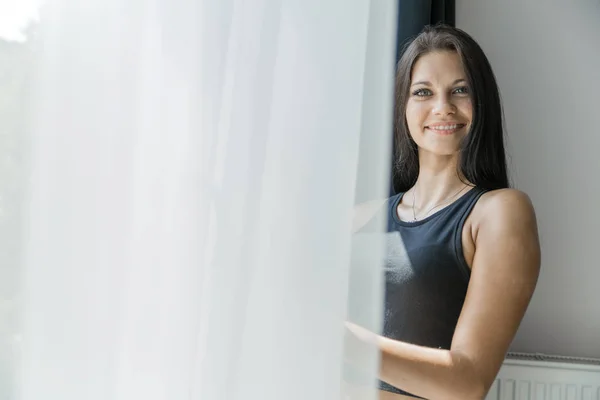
<point>475,387</point>
<point>477,390</point>
<point>468,383</point>
<point>463,387</point>
<point>472,381</point>
<point>469,389</point>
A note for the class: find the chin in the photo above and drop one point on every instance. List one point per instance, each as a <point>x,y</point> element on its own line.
<point>444,146</point>
<point>442,151</point>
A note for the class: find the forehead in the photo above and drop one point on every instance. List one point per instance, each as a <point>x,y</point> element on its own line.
<point>438,67</point>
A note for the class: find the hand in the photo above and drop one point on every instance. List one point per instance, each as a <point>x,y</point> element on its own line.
<point>360,345</point>
<point>362,333</point>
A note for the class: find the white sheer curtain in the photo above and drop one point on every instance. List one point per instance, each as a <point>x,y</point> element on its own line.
<point>193,171</point>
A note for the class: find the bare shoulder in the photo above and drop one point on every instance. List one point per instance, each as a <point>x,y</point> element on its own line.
<point>502,198</point>
<point>507,221</point>
<point>497,215</point>
<point>507,209</point>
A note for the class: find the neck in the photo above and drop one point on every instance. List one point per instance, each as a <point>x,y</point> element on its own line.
<point>437,182</point>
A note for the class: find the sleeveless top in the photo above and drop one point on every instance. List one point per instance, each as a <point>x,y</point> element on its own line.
<point>426,275</point>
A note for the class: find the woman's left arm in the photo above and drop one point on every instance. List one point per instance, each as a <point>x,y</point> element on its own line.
<point>504,274</point>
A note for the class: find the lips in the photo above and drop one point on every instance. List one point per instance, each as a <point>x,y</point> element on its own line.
<point>445,128</point>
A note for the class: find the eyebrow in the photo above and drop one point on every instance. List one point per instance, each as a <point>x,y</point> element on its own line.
<point>429,83</point>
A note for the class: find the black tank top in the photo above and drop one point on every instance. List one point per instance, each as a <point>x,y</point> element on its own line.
<point>426,275</point>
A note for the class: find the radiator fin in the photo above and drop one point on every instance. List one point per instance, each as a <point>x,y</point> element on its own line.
<point>532,377</point>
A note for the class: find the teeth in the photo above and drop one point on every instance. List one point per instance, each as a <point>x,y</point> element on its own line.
<point>445,127</point>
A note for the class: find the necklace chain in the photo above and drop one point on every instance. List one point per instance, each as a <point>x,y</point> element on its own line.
<point>435,206</point>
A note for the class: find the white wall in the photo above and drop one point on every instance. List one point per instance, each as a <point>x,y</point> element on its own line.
<point>546,55</point>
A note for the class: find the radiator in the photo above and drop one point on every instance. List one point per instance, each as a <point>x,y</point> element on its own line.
<point>543,377</point>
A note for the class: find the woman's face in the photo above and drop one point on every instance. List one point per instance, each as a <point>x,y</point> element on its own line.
<point>439,109</point>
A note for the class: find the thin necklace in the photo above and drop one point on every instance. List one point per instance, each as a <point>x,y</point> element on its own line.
<point>437,205</point>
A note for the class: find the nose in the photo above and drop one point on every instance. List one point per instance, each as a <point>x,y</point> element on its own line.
<point>444,106</point>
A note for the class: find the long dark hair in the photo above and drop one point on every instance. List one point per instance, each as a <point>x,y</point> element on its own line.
<point>482,154</point>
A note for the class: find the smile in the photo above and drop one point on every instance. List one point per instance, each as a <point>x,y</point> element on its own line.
<point>445,129</point>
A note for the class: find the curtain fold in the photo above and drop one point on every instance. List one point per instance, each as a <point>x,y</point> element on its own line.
<point>194,165</point>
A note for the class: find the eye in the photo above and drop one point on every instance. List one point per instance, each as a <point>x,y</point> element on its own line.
<point>422,92</point>
<point>461,90</point>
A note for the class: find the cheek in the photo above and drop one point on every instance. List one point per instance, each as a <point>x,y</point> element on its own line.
<point>416,114</point>
<point>466,109</point>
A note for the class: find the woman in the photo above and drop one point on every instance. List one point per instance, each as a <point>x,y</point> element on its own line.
<point>463,252</point>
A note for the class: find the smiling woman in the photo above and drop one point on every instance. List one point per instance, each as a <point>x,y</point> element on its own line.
<point>462,253</point>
